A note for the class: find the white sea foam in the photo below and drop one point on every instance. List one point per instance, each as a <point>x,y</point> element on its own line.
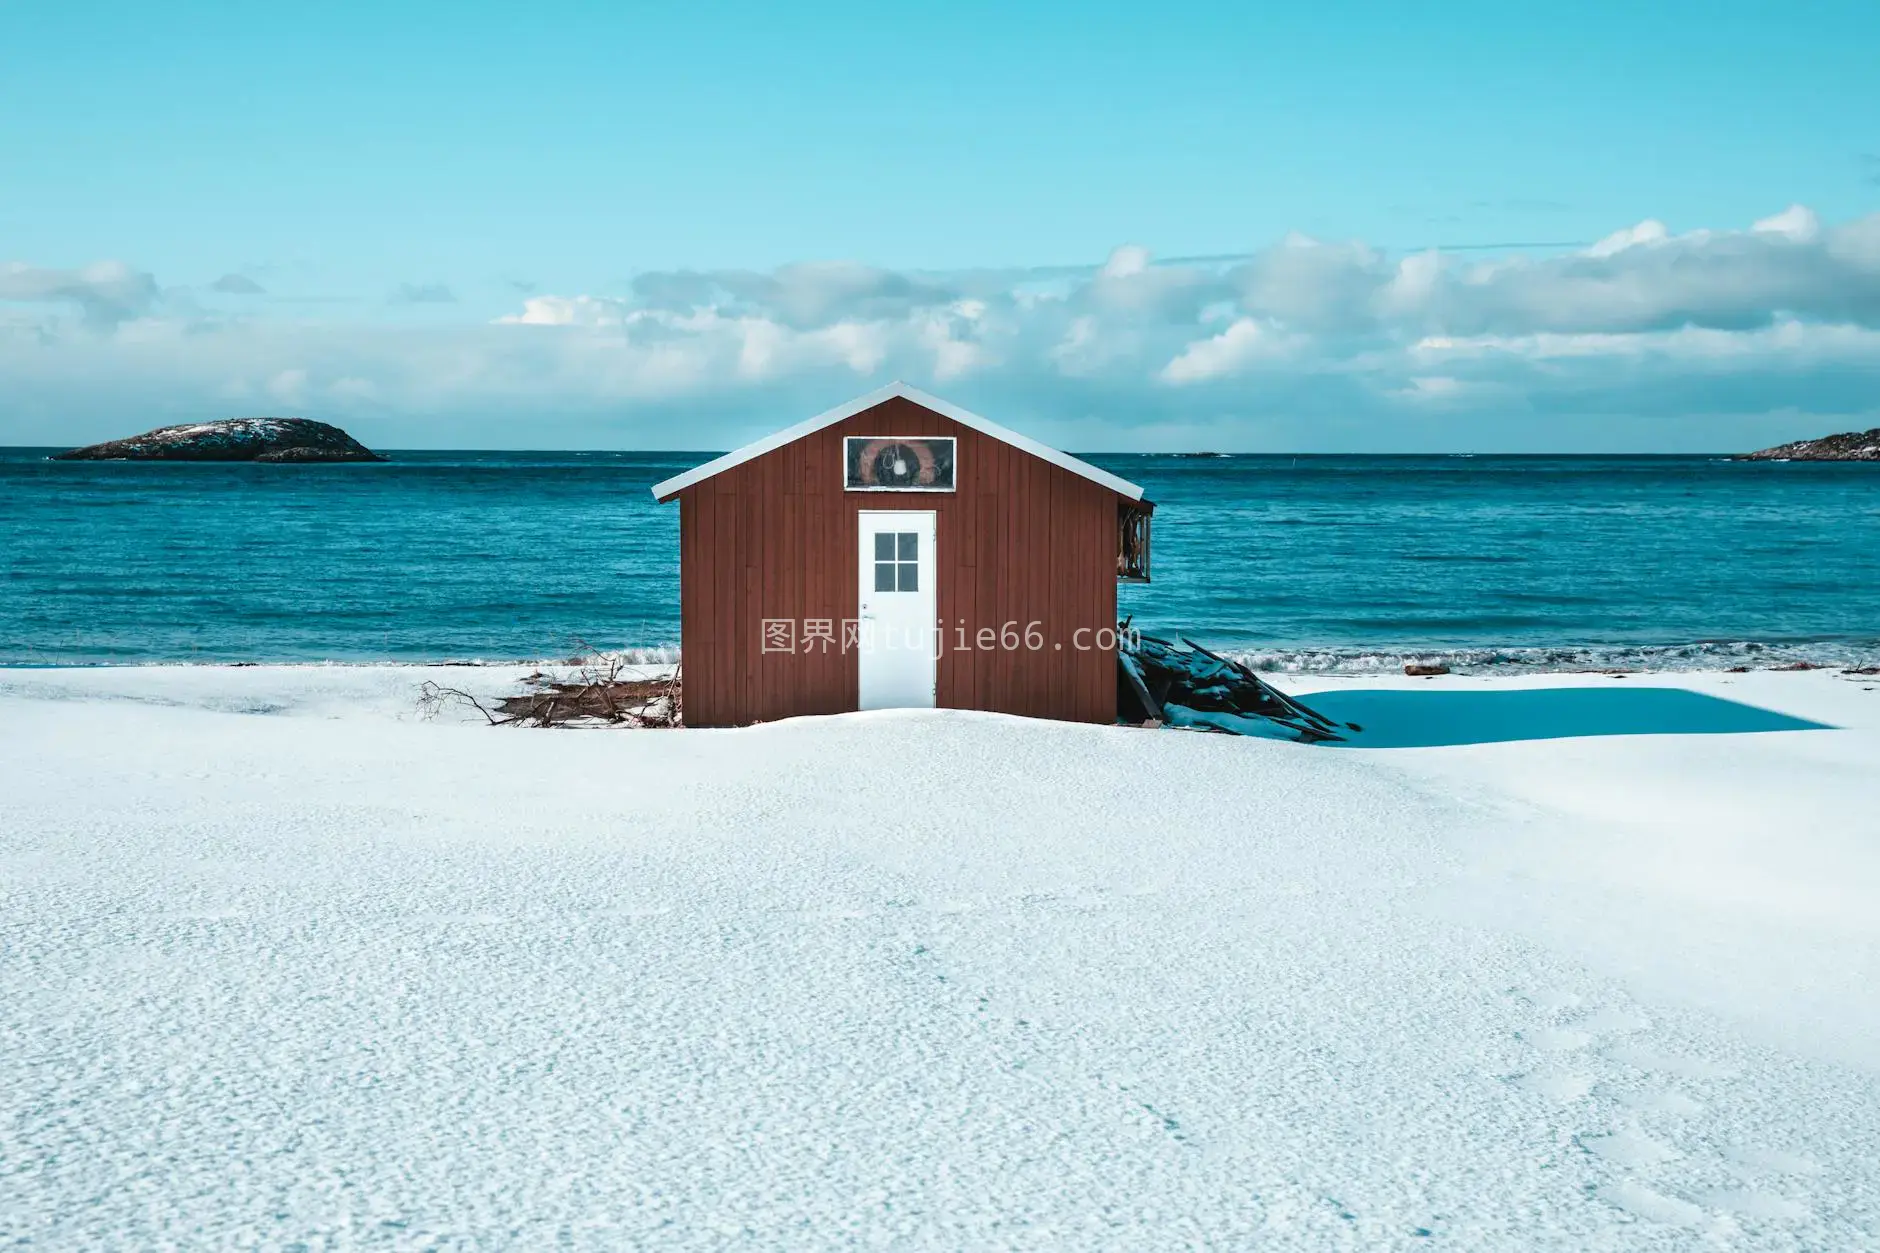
<point>1705,655</point>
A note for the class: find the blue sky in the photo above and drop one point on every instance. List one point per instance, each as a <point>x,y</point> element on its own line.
<point>483,225</point>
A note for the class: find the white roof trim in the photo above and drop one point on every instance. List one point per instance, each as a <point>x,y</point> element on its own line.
<point>698,474</point>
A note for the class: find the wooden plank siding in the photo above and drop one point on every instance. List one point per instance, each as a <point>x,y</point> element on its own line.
<point>1020,541</point>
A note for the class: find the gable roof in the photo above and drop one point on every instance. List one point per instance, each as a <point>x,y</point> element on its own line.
<point>665,491</point>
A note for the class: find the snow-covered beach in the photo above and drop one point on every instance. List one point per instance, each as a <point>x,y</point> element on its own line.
<point>1571,961</point>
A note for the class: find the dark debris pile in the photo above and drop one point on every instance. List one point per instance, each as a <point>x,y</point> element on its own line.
<point>1185,685</point>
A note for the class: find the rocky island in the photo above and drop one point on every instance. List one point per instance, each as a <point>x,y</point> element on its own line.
<point>270,440</point>
<point>1848,446</point>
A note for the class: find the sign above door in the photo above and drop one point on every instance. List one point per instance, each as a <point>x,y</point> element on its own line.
<point>898,463</point>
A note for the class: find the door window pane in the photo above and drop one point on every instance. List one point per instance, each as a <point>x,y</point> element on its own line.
<point>897,561</point>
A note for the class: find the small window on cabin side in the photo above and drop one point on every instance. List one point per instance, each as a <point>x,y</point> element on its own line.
<point>1132,553</point>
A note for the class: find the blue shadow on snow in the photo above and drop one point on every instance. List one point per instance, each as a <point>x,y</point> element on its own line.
<point>1413,719</point>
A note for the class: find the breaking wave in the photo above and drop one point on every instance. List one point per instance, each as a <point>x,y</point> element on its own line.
<point>1705,655</point>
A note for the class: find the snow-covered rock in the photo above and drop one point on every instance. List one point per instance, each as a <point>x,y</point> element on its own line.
<point>232,439</point>
<point>1847,446</point>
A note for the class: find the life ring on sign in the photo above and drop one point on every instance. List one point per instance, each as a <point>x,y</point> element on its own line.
<point>896,463</point>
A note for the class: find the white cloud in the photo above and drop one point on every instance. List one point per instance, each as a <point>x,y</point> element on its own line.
<point>1797,222</point>
<point>1787,310</point>
<point>1125,262</point>
<point>1798,343</point>
<point>1127,286</point>
<point>1650,231</point>
<point>108,292</point>
<point>955,336</point>
<point>1314,287</point>
<point>769,350</point>
<point>1412,289</point>
<point>803,295</point>
<point>567,311</point>
<point>1230,352</point>
<point>1646,279</point>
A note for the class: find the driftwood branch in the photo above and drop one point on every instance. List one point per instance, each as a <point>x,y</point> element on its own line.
<point>432,697</point>
<point>598,689</point>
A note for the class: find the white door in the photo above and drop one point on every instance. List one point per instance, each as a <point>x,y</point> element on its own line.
<point>896,636</point>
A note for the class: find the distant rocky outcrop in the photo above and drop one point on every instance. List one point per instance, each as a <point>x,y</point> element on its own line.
<point>232,439</point>
<point>1848,446</point>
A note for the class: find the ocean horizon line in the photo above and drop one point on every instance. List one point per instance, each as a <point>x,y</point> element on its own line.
<point>1199,453</point>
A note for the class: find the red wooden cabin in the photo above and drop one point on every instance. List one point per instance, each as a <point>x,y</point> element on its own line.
<point>899,551</point>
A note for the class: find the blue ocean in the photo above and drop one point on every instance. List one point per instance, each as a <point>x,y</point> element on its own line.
<point>1294,563</point>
